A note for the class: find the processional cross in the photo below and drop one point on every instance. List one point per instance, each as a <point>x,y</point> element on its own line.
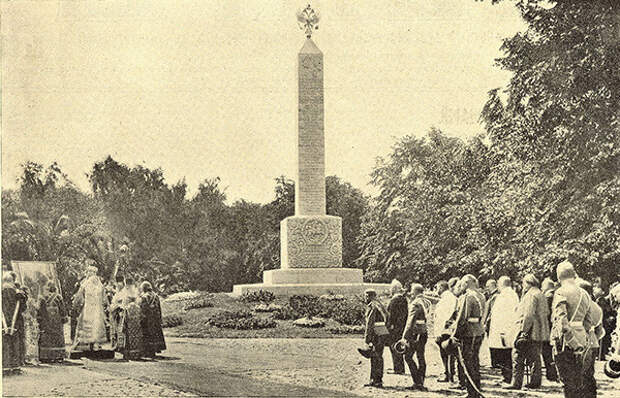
<point>308,20</point>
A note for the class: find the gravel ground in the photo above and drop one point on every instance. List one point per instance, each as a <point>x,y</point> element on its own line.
<point>73,380</point>
<point>254,367</point>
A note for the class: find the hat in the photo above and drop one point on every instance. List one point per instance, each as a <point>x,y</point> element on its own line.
<point>521,341</point>
<point>366,352</point>
<point>146,286</point>
<point>448,344</point>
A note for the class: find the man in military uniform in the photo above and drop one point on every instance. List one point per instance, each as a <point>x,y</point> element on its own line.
<point>533,324</point>
<point>397,318</point>
<point>468,333</point>
<point>595,334</point>
<point>571,321</point>
<point>415,336</point>
<point>376,335</point>
<point>548,289</point>
<point>444,310</point>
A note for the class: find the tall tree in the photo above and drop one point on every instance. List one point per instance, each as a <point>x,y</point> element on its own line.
<point>426,222</point>
<point>558,138</point>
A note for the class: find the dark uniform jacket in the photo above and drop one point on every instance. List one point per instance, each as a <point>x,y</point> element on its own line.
<point>397,316</point>
<point>468,321</point>
<point>549,296</point>
<point>416,321</point>
<point>489,307</point>
<point>375,316</point>
<point>533,315</point>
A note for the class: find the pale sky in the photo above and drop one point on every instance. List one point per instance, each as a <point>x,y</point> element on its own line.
<point>208,88</point>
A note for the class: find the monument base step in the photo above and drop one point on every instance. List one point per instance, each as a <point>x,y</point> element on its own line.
<point>318,289</point>
<point>312,276</point>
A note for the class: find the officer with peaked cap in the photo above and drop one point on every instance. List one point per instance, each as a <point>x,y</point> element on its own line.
<point>415,336</point>
<point>376,335</point>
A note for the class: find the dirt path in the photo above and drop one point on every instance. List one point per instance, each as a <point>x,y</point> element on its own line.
<point>252,367</point>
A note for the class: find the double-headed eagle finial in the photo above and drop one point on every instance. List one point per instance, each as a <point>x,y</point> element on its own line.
<point>308,20</point>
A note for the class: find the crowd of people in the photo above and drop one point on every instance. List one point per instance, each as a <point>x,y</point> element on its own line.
<point>122,318</point>
<point>566,325</point>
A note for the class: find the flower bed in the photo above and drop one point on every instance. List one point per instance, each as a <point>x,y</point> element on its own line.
<point>310,322</point>
<point>267,307</point>
<point>171,320</point>
<point>345,329</point>
<point>258,296</point>
<point>200,302</point>
<point>240,319</point>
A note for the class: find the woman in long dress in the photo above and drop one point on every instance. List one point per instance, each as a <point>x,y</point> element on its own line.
<point>51,318</point>
<point>151,321</point>
<point>91,322</point>
<point>133,333</point>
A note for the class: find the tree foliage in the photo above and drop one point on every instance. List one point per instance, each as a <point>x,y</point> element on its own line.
<point>539,186</point>
<point>136,222</point>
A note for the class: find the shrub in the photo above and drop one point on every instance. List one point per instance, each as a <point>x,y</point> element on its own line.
<point>171,320</point>
<point>201,302</point>
<point>305,305</point>
<point>345,329</point>
<point>240,319</point>
<point>345,310</point>
<point>258,296</point>
<point>348,311</point>
<point>285,312</point>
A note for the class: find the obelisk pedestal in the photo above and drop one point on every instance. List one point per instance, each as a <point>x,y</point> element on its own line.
<point>310,241</point>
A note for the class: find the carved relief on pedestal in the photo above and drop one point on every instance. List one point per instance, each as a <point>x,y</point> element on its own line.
<point>312,242</point>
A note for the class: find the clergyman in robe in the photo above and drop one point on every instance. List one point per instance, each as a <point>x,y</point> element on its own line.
<point>13,307</point>
<point>91,322</point>
<point>151,321</point>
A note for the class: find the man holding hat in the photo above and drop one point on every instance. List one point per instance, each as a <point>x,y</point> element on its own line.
<point>443,312</point>
<point>533,329</point>
<point>375,336</point>
<point>397,318</point>
<point>415,336</point>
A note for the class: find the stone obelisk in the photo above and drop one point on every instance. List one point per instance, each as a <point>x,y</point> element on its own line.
<point>310,241</point>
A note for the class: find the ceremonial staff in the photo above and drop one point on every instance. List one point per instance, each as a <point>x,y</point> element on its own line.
<point>5,329</point>
<point>10,330</point>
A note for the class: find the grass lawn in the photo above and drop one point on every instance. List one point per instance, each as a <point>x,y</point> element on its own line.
<point>195,320</point>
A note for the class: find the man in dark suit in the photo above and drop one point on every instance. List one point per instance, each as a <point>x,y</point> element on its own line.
<point>548,289</point>
<point>533,329</point>
<point>397,318</point>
